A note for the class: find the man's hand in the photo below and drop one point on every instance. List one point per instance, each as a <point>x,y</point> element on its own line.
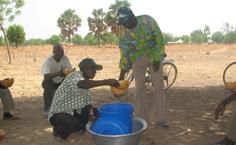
<point>122,74</point>
<point>219,111</point>
<point>156,66</point>
<point>61,72</point>
<point>113,82</point>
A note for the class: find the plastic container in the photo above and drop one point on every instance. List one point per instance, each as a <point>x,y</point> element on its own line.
<point>114,119</point>
<point>109,126</point>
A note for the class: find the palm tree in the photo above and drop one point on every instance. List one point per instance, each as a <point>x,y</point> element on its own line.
<point>68,23</point>
<point>97,24</point>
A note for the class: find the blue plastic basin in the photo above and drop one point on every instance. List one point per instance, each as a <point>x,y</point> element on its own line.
<point>114,119</point>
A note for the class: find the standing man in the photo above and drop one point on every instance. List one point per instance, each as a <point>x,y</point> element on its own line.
<point>142,47</point>
<point>52,71</point>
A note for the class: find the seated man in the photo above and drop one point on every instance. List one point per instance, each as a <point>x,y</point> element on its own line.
<point>7,102</point>
<point>52,71</point>
<point>72,101</point>
<point>230,138</point>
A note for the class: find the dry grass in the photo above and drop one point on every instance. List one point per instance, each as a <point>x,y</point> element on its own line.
<point>191,101</point>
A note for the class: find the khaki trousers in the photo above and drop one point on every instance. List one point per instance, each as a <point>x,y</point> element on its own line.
<point>7,100</point>
<point>231,129</point>
<point>150,108</point>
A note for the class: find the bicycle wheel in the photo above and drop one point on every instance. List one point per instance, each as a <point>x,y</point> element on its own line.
<point>229,73</point>
<point>129,76</point>
<point>169,74</point>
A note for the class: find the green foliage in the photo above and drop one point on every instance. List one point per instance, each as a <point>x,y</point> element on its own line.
<point>89,39</point>
<point>185,39</point>
<point>230,37</point>
<point>16,34</point>
<point>197,36</point>
<point>36,41</point>
<point>168,37</point>
<point>206,33</point>
<point>54,39</point>
<point>227,28</point>
<point>97,25</point>
<point>9,9</point>
<point>68,22</point>
<point>77,39</point>
<point>118,4</point>
<point>111,38</point>
<point>111,18</point>
<point>1,41</point>
<point>218,37</point>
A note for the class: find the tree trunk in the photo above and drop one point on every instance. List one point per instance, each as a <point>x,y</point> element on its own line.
<point>6,41</point>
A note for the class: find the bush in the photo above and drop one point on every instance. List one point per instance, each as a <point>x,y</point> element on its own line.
<point>110,38</point>
<point>185,39</point>
<point>36,41</point>
<point>89,40</point>
<point>16,34</point>
<point>218,37</point>
<point>77,39</point>
<point>197,36</point>
<point>168,37</point>
<point>230,37</point>
<point>1,41</point>
<point>54,39</point>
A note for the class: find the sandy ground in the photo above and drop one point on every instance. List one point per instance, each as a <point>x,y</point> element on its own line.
<point>190,102</point>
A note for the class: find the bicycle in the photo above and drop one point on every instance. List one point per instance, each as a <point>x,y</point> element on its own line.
<point>229,76</point>
<point>169,74</point>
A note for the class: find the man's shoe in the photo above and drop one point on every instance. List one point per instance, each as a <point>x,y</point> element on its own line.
<point>9,116</point>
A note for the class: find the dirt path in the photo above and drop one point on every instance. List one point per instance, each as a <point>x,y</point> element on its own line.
<point>190,102</point>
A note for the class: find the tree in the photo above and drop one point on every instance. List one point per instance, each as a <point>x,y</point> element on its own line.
<point>197,36</point>
<point>185,39</point>
<point>68,22</point>
<point>218,37</point>
<point>8,10</point>
<point>97,25</point>
<point>77,39</point>
<point>35,41</point>
<point>1,41</point>
<point>89,39</point>
<point>118,4</point>
<point>230,37</point>
<point>110,38</point>
<point>206,33</point>
<point>227,27</point>
<point>16,34</point>
<point>111,18</point>
<point>54,39</point>
<point>168,37</point>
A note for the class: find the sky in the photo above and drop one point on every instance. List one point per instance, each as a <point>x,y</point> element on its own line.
<point>178,17</point>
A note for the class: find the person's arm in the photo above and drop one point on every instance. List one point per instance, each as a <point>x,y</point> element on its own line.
<point>50,76</point>
<point>87,84</point>
<point>219,111</point>
<point>67,63</point>
<point>122,74</point>
<point>125,62</point>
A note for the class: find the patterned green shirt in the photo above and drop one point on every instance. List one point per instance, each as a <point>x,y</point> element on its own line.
<point>145,38</point>
<point>69,97</point>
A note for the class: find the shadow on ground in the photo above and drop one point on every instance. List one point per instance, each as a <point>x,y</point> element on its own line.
<point>190,114</point>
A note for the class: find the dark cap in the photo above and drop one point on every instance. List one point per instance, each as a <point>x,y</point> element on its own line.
<point>124,14</point>
<point>89,62</point>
